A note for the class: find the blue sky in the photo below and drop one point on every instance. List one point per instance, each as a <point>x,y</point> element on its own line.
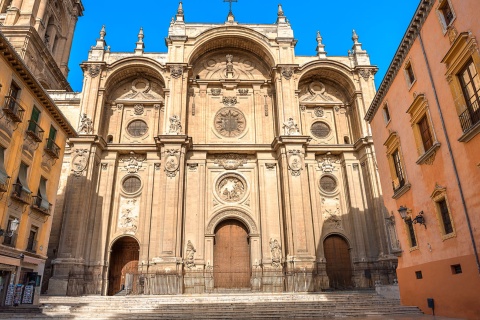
<point>380,25</point>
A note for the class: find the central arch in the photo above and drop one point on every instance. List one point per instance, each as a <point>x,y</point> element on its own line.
<point>339,264</point>
<point>231,255</point>
<point>123,264</point>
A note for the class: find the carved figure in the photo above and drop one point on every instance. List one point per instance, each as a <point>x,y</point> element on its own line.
<point>276,251</point>
<point>175,125</point>
<point>229,72</point>
<point>190,255</point>
<point>231,189</point>
<point>291,127</point>
<point>86,125</point>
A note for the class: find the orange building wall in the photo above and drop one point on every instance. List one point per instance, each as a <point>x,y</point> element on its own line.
<point>455,295</point>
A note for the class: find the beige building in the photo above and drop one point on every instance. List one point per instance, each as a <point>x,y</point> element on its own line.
<point>33,133</point>
<point>226,163</point>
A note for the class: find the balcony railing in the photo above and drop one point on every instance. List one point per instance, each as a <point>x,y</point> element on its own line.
<point>52,148</point>
<point>397,184</point>
<point>4,181</point>
<point>10,240</point>
<point>13,109</point>
<point>31,245</point>
<point>41,205</point>
<point>469,118</point>
<point>34,131</point>
<point>20,194</point>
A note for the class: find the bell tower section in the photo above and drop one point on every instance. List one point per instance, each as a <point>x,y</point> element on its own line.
<point>42,32</point>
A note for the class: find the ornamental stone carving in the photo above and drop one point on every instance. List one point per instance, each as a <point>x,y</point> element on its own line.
<point>276,251</point>
<point>138,109</point>
<point>230,122</point>
<point>229,101</point>
<point>190,255</point>
<point>86,125</point>
<point>290,127</point>
<point>231,188</point>
<point>172,162</point>
<point>365,73</point>
<point>319,112</point>
<point>295,162</point>
<point>229,74</point>
<point>133,161</point>
<point>230,161</point>
<point>215,91</point>
<point>94,71</point>
<point>175,125</point>
<point>316,92</point>
<point>128,217</point>
<point>243,92</point>
<point>176,71</point>
<point>331,213</point>
<point>327,163</point>
<point>287,72</point>
<point>80,161</point>
<point>242,216</point>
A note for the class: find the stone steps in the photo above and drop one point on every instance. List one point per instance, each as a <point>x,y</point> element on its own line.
<point>220,306</point>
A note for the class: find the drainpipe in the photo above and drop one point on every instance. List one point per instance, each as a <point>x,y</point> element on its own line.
<point>450,152</point>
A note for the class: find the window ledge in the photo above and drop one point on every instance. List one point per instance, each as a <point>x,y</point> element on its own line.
<point>414,248</point>
<point>470,133</point>
<point>429,156</point>
<point>401,191</point>
<point>449,236</point>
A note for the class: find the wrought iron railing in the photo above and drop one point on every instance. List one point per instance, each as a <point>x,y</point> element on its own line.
<point>35,131</point>
<point>20,194</point>
<point>13,109</point>
<point>10,240</point>
<point>41,205</point>
<point>469,118</point>
<point>52,149</point>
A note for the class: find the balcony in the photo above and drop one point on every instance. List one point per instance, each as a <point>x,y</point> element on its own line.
<point>13,109</point>
<point>34,131</point>
<point>52,149</point>
<point>41,205</point>
<point>10,241</point>
<point>20,194</point>
<point>469,118</point>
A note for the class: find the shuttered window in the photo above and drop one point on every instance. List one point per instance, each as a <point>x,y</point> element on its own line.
<point>425,133</point>
<point>22,177</point>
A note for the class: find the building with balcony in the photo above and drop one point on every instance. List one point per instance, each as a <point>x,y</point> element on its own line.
<point>33,133</point>
<point>425,122</point>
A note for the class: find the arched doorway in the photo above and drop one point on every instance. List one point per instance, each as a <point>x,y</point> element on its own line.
<point>231,255</point>
<point>123,264</point>
<point>339,265</point>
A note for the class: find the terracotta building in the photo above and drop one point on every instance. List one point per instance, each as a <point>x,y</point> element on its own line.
<point>426,122</point>
<point>35,41</point>
<point>227,162</point>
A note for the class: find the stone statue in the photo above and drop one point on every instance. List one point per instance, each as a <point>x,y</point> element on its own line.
<point>276,251</point>
<point>189,256</point>
<point>86,125</point>
<point>229,73</point>
<point>290,127</point>
<point>175,125</point>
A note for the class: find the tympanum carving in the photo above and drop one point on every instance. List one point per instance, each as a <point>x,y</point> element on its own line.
<point>231,188</point>
<point>230,161</point>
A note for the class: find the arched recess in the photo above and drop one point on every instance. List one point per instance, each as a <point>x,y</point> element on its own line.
<point>327,93</point>
<point>338,261</point>
<point>235,214</point>
<point>132,82</point>
<point>124,255</point>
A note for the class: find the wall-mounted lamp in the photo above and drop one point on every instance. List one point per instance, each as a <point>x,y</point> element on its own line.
<point>13,227</point>
<point>418,219</point>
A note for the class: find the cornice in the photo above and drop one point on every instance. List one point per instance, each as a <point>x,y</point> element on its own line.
<point>403,49</point>
<point>17,65</point>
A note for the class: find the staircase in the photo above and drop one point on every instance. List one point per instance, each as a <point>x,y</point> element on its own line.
<point>220,306</point>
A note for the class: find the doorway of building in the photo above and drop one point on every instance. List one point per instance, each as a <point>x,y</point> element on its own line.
<point>231,256</point>
<point>123,265</point>
<point>339,265</point>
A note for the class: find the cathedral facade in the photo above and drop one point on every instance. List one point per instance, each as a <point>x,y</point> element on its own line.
<point>226,163</point>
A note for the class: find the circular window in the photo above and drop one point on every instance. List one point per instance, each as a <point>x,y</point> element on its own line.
<point>328,184</point>
<point>320,129</point>
<point>137,128</point>
<point>131,184</point>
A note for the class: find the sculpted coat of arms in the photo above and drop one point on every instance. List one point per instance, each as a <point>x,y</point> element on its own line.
<point>295,162</point>
<point>172,162</point>
<point>231,188</point>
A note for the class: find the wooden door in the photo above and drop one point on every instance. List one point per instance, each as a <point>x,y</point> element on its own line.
<point>231,256</point>
<point>339,266</point>
<point>123,260</point>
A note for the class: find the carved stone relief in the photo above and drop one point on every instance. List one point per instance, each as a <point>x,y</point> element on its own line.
<point>138,109</point>
<point>215,91</point>
<point>243,92</point>
<point>172,162</point>
<point>319,112</point>
<point>229,101</point>
<point>141,89</point>
<point>295,162</point>
<point>230,122</point>
<point>327,164</point>
<point>79,161</point>
<point>128,215</point>
<point>290,127</point>
<point>190,255</point>
<point>316,91</point>
<point>175,125</point>
<point>86,125</point>
<point>231,188</point>
<point>231,65</point>
<point>331,213</point>
<point>287,72</point>
<point>276,251</point>
<point>365,73</point>
<point>176,71</point>
<point>230,161</point>
<point>132,162</point>
<point>94,71</point>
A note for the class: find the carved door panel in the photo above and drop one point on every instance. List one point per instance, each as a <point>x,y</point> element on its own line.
<point>231,256</point>
<point>123,261</point>
<point>339,266</point>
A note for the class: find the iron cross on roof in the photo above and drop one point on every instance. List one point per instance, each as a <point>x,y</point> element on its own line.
<point>230,3</point>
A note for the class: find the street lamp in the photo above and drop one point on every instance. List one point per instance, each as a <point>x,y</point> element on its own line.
<point>418,219</point>
<point>13,227</point>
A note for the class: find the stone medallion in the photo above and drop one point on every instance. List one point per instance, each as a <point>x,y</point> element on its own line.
<point>231,188</point>
<point>230,122</point>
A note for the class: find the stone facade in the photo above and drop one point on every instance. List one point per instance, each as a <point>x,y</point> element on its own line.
<point>227,125</point>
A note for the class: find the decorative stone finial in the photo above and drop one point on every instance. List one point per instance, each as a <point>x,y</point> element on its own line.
<point>320,46</point>
<point>140,45</point>
<point>360,56</point>
<point>103,33</point>
<point>354,36</point>
<point>180,8</point>
<point>280,11</point>
<point>140,35</point>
